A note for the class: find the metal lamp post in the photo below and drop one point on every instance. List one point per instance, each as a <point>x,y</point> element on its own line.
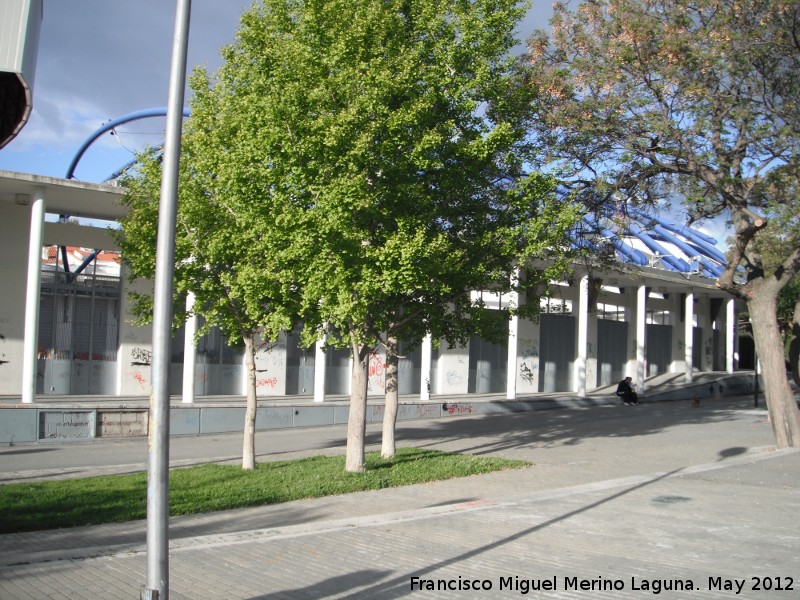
<point>157,586</point>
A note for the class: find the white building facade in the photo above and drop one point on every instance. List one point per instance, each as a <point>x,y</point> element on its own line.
<point>67,328</point>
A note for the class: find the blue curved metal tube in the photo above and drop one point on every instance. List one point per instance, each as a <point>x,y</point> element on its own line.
<point>635,256</point>
<point>670,261</point>
<point>579,242</point>
<point>632,255</point>
<point>692,236</point>
<point>134,116</point>
<point>702,241</point>
<point>690,251</point>
<point>86,262</point>
<point>64,259</point>
<point>121,170</point>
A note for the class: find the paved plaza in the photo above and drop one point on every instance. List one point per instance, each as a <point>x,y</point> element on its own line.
<point>664,500</point>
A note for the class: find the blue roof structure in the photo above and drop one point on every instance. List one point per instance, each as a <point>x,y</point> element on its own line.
<point>646,239</point>
<point>641,237</point>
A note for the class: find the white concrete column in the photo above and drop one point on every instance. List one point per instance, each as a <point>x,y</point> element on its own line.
<point>244,383</point>
<point>350,365</point>
<point>32,296</point>
<point>320,368</point>
<point>376,371</point>
<point>425,368</point>
<point>730,335</point>
<point>688,329</point>
<point>528,359</point>
<point>641,342</point>
<point>582,313</point>
<point>629,302</point>
<point>135,342</point>
<point>592,370</point>
<point>453,371</point>
<point>511,363</point>
<point>676,363</point>
<point>705,323</point>
<point>189,351</point>
<point>513,340</point>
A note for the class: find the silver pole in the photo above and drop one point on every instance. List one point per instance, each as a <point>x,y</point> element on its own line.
<point>157,587</point>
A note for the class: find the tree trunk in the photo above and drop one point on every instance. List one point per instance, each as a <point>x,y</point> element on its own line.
<point>249,443</point>
<point>783,411</point>
<point>357,418</point>
<point>388,448</point>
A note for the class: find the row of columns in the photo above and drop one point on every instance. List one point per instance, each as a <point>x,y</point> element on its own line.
<point>586,329</point>
<point>585,367</point>
<point>425,370</point>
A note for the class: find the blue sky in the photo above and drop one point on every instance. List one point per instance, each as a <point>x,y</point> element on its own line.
<point>99,60</point>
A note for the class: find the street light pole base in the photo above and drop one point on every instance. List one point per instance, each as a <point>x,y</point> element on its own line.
<point>147,594</point>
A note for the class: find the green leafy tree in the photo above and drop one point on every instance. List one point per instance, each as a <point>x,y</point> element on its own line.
<point>531,227</point>
<point>384,144</point>
<point>220,257</point>
<point>644,97</point>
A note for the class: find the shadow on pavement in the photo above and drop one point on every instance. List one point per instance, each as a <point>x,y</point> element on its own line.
<point>400,585</point>
<point>494,433</point>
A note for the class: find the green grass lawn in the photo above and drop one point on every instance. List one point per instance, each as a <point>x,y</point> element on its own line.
<point>212,487</point>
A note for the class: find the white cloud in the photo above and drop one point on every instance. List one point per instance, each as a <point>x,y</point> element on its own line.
<point>63,124</point>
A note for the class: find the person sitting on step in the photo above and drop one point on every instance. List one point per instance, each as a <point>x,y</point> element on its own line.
<point>626,392</point>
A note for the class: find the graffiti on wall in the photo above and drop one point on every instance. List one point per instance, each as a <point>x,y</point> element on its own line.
<point>141,357</point>
<point>270,382</point>
<point>375,412</point>
<point>526,374</point>
<point>139,378</point>
<point>454,377</point>
<point>376,379</point>
<point>2,354</point>
<point>271,353</point>
<point>270,356</point>
<point>529,348</point>
<point>458,409</point>
<point>529,352</point>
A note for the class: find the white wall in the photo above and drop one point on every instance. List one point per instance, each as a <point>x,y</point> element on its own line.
<point>271,367</point>
<point>135,345</point>
<point>703,308</point>
<point>527,371</point>
<point>678,363</point>
<point>14,251</point>
<point>377,372</point>
<point>452,370</point>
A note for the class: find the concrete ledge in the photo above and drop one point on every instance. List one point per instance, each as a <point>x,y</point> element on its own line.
<point>79,419</point>
<point>19,425</point>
